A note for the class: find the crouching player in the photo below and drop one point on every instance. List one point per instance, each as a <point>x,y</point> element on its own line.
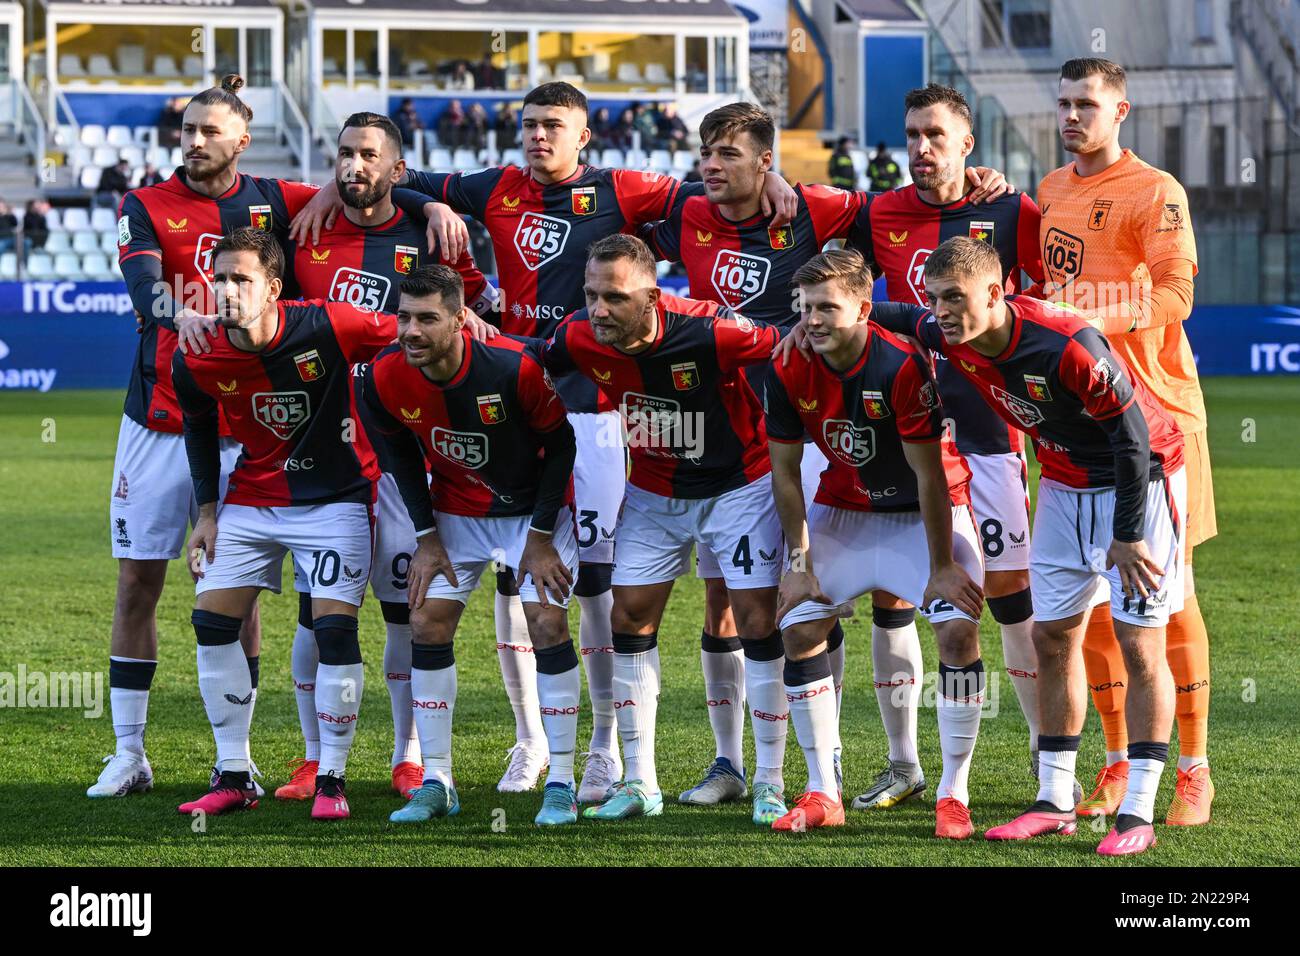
<point>281,373</point>
<point>892,512</point>
<point>501,450</point>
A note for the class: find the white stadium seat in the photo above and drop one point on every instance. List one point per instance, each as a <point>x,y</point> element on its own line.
<point>629,73</point>
<point>58,242</point>
<point>100,67</point>
<point>464,159</point>
<point>70,65</point>
<point>8,266</point>
<point>164,65</point>
<point>40,266</point>
<point>130,59</point>
<point>161,157</point>
<point>118,136</point>
<point>68,265</point>
<point>440,160</point>
<point>80,156</point>
<point>655,73</point>
<point>108,243</point>
<point>683,160</point>
<point>90,177</point>
<point>96,265</point>
<point>53,219</point>
<point>134,156</point>
<point>103,219</point>
<point>489,157</point>
<point>636,159</point>
<point>512,157</point>
<point>141,135</point>
<point>76,218</point>
<point>92,135</point>
<point>177,159</point>
<point>82,242</point>
<point>612,159</point>
<point>64,135</point>
<point>192,67</point>
<point>661,160</point>
<point>104,156</point>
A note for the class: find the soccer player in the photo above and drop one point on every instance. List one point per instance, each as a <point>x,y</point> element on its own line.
<point>1117,242</point>
<point>486,418</point>
<point>895,232</point>
<point>281,374</point>
<point>541,220</point>
<point>1111,502</point>
<point>700,475</point>
<point>165,237</point>
<point>891,512</point>
<point>739,257</point>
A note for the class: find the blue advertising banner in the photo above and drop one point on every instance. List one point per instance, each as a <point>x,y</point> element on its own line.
<point>82,335</point>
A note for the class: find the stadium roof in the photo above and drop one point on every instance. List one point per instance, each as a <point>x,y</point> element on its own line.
<point>881,10</point>
<point>598,8</point>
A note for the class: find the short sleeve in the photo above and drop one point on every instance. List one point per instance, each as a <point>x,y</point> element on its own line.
<point>740,341</point>
<point>783,422</point>
<point>380,417</point>
<point>917,410</point>
<point>643,196</point>
<point>361,335</point>
<point>1095,375</point>
<point>833,211</point>
<point>555,355</point>
<point>537,394</point>
<point>859,233</point>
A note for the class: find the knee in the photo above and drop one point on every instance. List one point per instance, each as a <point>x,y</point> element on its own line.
<point>140,583</point>
<point>1049,641</point>
<point>548,627</point>
<point>805,639</point>
<point>429,624</point>
<point>1005,583</point>
<point>959,642</point>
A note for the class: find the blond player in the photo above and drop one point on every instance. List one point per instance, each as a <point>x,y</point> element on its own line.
<point>1117,243</point>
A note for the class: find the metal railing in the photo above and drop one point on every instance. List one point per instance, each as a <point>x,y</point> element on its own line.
<point>29,126</point>
<point>60,102</point>
<point>294,129</point>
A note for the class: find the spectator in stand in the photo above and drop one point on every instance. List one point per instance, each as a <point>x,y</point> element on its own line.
<point>621,134</point>
<point>645,119</point>
<point>451,125</point>
<point>672,129</point>
<point>114,183</point>
<point>476,127</point>
<point>882,169</point>
<point>35,227</point>
<point>840,168</point>
<point>602,130</point>
<point>151,176</point>
<point>461,78</point>
<point>169,122</point>
<point>408,121</point>
<point>507,126</point>
<point>8,228</point>
<point>488,76</point>
<point>694,175</point>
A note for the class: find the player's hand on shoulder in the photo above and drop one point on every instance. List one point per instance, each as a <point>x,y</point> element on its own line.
<point>796,338</point>
<point>193,330</point>
<point>321,210</point>
<point>989,184</point>
<point>447,231</point>
<point>480,330</point>
<point>547,568</point>
<point>430,560</point>
<point>779,201</point>
<point>797,587</point>
<point>951,583</point>
<point>202,547</point>
<point>1138,573</point>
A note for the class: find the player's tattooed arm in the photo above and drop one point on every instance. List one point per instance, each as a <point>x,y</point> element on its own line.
<point>799,583</point>
<point>948,579</point>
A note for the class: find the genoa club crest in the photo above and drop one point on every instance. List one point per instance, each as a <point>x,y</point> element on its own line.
<point>259,217</point>
<point>491,409</point>
<point>309,365</point>
<point>405,258</point>
<point>874,404</point>
<point>982,230</point>
<point>1036,385</point>
<point>583,200</point>
<point>780,237</point>
<point>685,376</point>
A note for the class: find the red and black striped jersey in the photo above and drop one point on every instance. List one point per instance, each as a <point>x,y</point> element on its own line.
<point>481,431</point>
<point>364,265</point>
<point>1093,424</point>
<point>540,235</point>
<point>860,418</point>
<point>750,265</point>
<point>291,405</point>
<point>165,234</point>
<point>896,231</point>
<point>693,423</point>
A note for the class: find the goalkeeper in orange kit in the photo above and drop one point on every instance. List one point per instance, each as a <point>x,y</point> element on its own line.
<point>1117,244</point>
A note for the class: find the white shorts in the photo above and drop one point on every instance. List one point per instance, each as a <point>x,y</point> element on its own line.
<point>472,543</point>
<point>856,552</point>
<point>810,476</point>
<point>655,535</point>
<point>599,478</point>
<point>152,505</point>
<point>999,499</point>
<point>331,547</point>
<point>1073,532</point>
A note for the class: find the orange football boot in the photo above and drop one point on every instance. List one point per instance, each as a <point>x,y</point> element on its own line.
<point>302,783</point>
<point>952,819</point>
<point>1193,795</point>
<point>1112,784</point>
<point>812,810</point>
<point>408,777</point>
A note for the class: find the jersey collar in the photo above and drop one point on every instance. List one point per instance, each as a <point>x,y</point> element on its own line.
<point>856,367</point>
<point>1125,160</point>
<point>181,178</point>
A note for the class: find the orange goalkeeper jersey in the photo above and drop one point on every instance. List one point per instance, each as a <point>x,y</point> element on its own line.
<point>1100,236</point>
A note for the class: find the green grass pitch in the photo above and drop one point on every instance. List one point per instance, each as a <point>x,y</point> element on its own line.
<point>56,597</point>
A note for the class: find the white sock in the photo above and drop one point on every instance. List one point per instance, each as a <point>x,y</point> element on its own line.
<point>519,670</point>
<point>897,666</point>
<point>227,691</point>
<point>816,725</point>
<point>723,664</point>
<point>433,701</point>
<point>1056,777</point>
<point>1184,763</point>
<point>1022,667</point>
<point>769,714</point>
<point>302,662</point>
<point>559,685</point>
<point>1143,782</point>
<point>636,702</point>
<point>129,706</point>
<point>338,698</point>
<point>397,674</point>
<point>959,726</point>
<point>1116,756</point>
<point>597,643</point>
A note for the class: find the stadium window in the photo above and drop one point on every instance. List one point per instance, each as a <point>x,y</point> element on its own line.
<point>1173,151</point>
<point>1218,155</point>
<point>225,43</point>
<point>724,65</point>
<point>365,57</point>
<point>334,57</point>
<point>696,67</point>
<point>1203,16</point>
<point>257,56</point>
<point>457,60</point>
<point>1016,24</point>
<point>608,62</point>
<point>128,53</point>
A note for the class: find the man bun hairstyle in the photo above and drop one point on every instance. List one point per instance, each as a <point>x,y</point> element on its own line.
<point>1111,73</point>
<point>247,239</point>
<point>558,93</point>
<point>963,256</point>
<point>364,120</point>
<point>935,94</point>
<point>622,246</point>
<point>844,266</point>
<point>436,279</point>
<point>737,118</point>
<point>227,95</point>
